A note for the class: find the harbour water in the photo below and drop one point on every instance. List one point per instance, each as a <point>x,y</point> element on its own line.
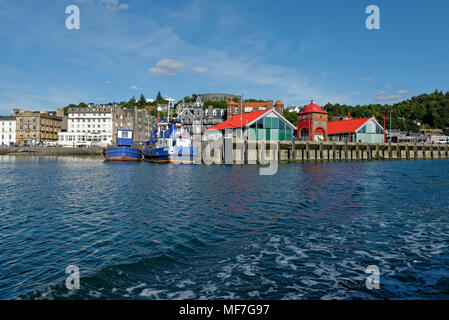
<point>163,231</point>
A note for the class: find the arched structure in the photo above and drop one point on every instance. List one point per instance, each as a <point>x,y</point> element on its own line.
<point>312,120</point>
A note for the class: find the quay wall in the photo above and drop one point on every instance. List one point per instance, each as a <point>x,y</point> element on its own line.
<point>53,151</point>
<point>252,152</point>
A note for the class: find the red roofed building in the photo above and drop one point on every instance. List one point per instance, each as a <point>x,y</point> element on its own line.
<point>234,108</point>
<point>259,125</point>
<point>312,123</point>
<point>356,130</point>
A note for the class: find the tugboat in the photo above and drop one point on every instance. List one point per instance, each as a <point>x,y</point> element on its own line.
<point>170,143</point>
<point>123,151</point>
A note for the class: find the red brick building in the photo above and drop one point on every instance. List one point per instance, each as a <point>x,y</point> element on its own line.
<point>312,123</point>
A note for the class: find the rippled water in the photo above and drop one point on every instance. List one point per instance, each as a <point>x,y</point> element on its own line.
<point>152,231</point>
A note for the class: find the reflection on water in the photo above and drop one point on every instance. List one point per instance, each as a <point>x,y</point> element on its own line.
<point>148,231</point>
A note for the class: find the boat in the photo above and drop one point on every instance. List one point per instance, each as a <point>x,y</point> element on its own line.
<point>170,143</point>
<point>124,150</point>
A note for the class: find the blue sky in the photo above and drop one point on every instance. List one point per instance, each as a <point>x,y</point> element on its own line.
<point>289,50</point>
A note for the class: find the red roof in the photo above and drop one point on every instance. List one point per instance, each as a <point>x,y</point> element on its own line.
<point>345,126</point>
<point>234,121</point>
<point>312,108</point>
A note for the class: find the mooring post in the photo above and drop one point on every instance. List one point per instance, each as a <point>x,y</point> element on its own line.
<point>424,151</point>
<point>370,156</point>
<point>416,150</point>
<point>294,149</point>
<point>390,151</point>
<point>431,151</point>
<point>407,150</point>
<point>334,151</point>
<point>321,151</point>
<point>447,155</point>
<point>399,152</point>
<point>439,151</point>
<point>279,151</point>
<point>245,151</point>
<point>357,151</point>
<point>378,151</point>
<point>308,150</point>
<point>346,150</point>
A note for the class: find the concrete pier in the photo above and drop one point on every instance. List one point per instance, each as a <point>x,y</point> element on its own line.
<point>301,151</point>
<point>52,151</point>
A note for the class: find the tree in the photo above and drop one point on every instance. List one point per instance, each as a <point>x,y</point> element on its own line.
<point>292,117</point>
<point>142,101</point>
<point>159,96</point>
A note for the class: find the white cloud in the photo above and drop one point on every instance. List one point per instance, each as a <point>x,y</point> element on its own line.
<point>404,91</point>
<point>200,69</point>
<point>134,88</point>
<point>167,67</point>
<point>114,5</point>
<point>385,96</point>
<point>108,82</point>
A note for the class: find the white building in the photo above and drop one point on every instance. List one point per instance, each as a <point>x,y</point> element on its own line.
<point>88,127</point>
<point>7,131</point>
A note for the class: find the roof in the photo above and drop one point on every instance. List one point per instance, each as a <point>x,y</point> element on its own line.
<point>345,126</point>
<point>312,108</point>
<point>235,122</point>
<point>7,118</point>
<point>250,104</point>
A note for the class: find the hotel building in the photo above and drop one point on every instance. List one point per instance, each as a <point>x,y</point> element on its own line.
<point>97,125</point>
<point>7,131</point>
<point>36,127</point>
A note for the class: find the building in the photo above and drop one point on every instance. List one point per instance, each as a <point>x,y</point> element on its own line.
<point>97,125</point>
<point>295,109</point>
<point>312,123</point>
<point>137,120</point>
<point>189,112</point>
<point>264,125</point>
<point>7,131</point>
<point>36,127</point>
<point>356,130</point>
<point>217,96</point>
<point>235,108</point>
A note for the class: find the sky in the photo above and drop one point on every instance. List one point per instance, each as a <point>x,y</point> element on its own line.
<point>291,50</point>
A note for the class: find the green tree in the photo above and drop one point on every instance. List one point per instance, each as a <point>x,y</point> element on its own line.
<point>142,101</point>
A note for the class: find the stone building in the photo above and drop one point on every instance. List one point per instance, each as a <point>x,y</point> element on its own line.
<point>138,120</point>
<point>234,108</point>
<point>7,131</point>
<point>36,127</point>
<point>97,125</point>
<point>188,112</point>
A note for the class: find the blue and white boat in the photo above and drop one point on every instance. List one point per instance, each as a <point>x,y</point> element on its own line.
<point>123,151</point>
<point>170,143</point>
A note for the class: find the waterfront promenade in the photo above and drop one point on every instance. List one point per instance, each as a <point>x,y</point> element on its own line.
<point>252,152</point>
<point>247,152</point>
<point>53,151</point>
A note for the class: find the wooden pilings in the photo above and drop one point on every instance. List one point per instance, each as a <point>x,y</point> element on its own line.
<point>244,152</point>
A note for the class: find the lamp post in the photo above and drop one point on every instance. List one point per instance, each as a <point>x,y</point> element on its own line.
<point>241,114</point>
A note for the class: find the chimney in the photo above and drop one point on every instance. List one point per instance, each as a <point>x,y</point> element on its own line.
<point>349,116</point>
